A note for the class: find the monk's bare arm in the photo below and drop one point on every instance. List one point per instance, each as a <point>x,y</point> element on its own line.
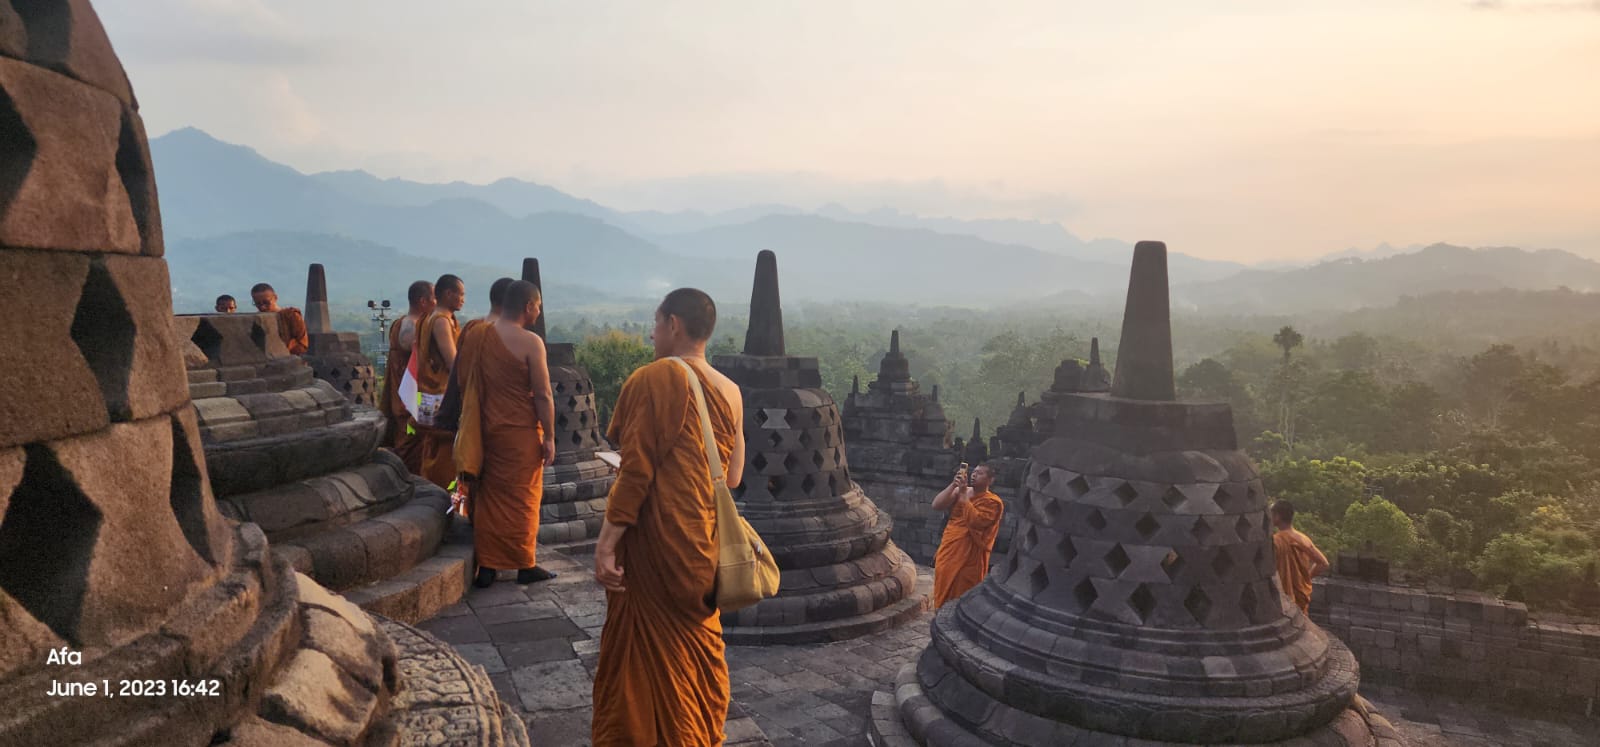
<point>947,498</point>
<point>606,570</point>
<point>544,403</point>
<point>1319,562</point>
<point>444,342</point>
<point>736,459</point>
<point>408,333</point>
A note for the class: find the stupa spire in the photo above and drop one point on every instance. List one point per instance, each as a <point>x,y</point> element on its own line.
<point>530,273</point>
<point>316,311</point>
<point>765,335</point>
<point>1144,355</point>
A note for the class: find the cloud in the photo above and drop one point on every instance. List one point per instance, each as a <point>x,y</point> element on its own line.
<point>231,32</point>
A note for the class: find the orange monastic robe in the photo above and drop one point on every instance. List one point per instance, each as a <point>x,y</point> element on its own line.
<point>662,678</point>
<point>505,499</point>
<point>963,557</point>
<point>408,446</point>
<point>292,330</point>
<point>438,459</point>
<point>1292,552</point>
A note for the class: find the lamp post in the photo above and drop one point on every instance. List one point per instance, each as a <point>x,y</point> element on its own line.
<point>380,316</point>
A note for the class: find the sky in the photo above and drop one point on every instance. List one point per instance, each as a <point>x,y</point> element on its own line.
<point>1249,131</point>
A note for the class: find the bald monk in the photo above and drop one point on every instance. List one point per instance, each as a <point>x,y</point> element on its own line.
<point>403,438</point>
<point>662,678</point>
<point>963,556</point>
<point>1297,556</point>
<point>507,381</point>
<point>291,324</point>
<point>436,347</point>
<point>450,408</point>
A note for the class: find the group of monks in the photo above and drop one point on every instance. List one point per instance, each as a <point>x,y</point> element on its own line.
<point>482,422</point>
<point>482,425</point>
<point>291,323</point>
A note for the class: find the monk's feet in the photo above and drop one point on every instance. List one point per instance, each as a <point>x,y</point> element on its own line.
<point>533,575</point>
<point>485,577</point>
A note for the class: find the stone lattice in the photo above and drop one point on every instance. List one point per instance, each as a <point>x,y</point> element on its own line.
<point>1138,601</point>
<point>576,486</point>
<point>336,357</point>
<point>111,543</point>
<point>842,576</point>
<point>899,451</point>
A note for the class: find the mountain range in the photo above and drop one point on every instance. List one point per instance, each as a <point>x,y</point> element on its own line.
<point>233,217</point>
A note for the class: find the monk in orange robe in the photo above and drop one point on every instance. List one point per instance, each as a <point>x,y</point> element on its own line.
<point>402,437</point>
<point>506,436</point>
<point>436,346</point>
<point>1297,556</point>
<point>291,323</point>
<point>449,416</point>
<point>963,557</point>
<point>662,678</point>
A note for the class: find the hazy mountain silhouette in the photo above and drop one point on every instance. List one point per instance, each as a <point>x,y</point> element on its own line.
<point>357,271</point>
<point>1349,284</point>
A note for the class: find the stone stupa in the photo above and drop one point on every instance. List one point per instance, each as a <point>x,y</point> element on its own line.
<point>576,486</point>
<point>1138,603</point>
<point>335,357</point>
<point>116,567</point>
<point>842,576</point>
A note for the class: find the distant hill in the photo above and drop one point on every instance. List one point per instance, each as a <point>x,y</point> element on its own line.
<point>513,197</point>
<point>861,261</point>
<point>1351,284</point>
<point>357,271</point>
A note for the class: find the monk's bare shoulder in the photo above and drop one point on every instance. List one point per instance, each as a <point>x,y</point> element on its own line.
<point>730,390</point>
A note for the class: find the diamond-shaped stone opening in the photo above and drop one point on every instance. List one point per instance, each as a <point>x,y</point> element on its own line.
<point>1261,558</point>
<point>1078,486</point>
<point>1095,520</point>
<point>1044,476</point>
<point>1030,539</point>
<point>1173,498</point>
<point>833,484</point>
<point>1066,550</point>
<point>1248,602</point>
<point>818,459</point>
<point>805,439</point>
<point>1126,493</point>
<point>258,335</point>
<point>808,483</point>
<point>1202,530</point>
<point>1052,512</point>
<point>827,438</point>
<point>774,485</point>
<point>759,461</point>
<point>1117,560</point>
<point>47,539</point>
<point>776,437</point>
<point>790,462</point>
<point>208,339</point>
<point>1243,527</point>
<point>559,388</point>
<point>561,421</point>
<point>761,416</point>
<point>1172,564</point>
<point>16,158</point>
<point>1085,594</point>
<point>1198,605</point>
<point>188,493</point>
<point>1223,563</point>
<point>583,418</point>
<point>1142,602</point>
<point>816,417</point>
<point>572,403</point>
<point>789,418</point>
<point>104,332</point>
<point>1147,526</point>
<point>1038,580</point>
<point>133,166</point>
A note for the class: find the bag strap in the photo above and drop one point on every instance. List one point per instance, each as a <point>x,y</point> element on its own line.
<point>712,459</point>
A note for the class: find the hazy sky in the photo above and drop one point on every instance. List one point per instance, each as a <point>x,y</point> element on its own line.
<point>1229,129</point>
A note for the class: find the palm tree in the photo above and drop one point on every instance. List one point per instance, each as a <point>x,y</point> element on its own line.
<point>1288,339</point>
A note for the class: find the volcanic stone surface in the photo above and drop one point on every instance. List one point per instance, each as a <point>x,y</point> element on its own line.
<point>1139,600</point>
<point>842,576</point>
<point>336,357</point>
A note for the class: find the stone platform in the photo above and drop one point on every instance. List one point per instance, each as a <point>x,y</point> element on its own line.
<point>539,643</point>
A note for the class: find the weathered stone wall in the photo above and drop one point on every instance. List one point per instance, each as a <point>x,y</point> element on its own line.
<point>1461,643</point>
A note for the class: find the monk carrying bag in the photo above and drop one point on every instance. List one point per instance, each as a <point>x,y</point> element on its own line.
<point>746,571</point>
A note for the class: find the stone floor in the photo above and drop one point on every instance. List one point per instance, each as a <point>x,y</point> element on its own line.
<point>539,644</point>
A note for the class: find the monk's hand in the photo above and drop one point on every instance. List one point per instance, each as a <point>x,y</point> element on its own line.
<point>607,572</point>
<point>549,450</point>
